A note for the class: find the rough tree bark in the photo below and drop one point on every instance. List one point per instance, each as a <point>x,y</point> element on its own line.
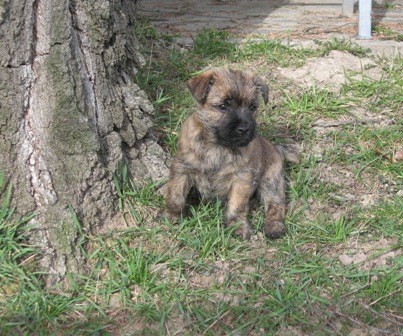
<point>69,114</point>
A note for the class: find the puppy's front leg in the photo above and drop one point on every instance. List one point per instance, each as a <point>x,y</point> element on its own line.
<point>177,190</point>
<point>238,208</point>
<point>272,194</point>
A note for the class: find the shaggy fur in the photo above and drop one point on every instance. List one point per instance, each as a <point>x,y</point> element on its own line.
<point>220,153</point>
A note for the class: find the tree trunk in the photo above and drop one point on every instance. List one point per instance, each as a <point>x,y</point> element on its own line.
<point>69,114</point>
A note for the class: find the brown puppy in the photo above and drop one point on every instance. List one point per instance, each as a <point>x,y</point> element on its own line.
<point>221,155</point>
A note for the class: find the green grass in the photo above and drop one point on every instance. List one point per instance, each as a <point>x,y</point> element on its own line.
<point>274,52</point>
<point>387,33</point>
<point>210,44</point>
<point>314,103</point>
<point>341,44</point>
<point>390,4</point>
<point>195,277</point>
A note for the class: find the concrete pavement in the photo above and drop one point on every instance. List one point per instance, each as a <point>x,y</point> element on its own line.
<point>288,19</point>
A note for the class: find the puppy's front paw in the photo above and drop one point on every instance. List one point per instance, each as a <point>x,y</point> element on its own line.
<point>169,216</point>
<point>243,230</point>
<point>274,229</point>
<point>165,216</point>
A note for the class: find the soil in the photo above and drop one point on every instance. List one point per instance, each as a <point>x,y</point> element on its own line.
<point>329,72</point>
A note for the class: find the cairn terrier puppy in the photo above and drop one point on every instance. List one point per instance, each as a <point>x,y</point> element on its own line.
<point>221,154</point>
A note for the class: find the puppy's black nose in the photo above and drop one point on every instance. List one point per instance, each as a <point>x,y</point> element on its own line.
<point>243,127</point>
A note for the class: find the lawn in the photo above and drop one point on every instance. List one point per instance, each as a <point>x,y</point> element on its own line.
<point>338,271</point>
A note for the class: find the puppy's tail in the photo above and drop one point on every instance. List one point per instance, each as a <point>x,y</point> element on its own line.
<point>289,152</point>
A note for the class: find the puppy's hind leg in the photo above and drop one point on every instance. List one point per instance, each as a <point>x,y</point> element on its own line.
<point>272,195</point>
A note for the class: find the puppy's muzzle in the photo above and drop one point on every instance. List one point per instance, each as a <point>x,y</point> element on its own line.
<point>243,128</point>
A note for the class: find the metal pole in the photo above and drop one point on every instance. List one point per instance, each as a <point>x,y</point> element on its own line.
<point>364,19</point>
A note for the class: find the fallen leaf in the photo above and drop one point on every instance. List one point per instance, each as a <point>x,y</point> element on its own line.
<point>345,259</point>
<point>398,156</point>
<point>367,200</point>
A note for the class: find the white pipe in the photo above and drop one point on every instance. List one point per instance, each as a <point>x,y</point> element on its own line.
<point>364,19</point>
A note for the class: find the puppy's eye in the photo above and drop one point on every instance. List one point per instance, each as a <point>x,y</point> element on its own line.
<point>253,108</point>
<point>223,107</point>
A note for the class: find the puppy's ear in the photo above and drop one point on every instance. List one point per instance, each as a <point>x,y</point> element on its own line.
<point>200,86</point>
<point>263,88</point>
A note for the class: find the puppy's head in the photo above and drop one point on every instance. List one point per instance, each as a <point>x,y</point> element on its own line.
<point>228,101</point>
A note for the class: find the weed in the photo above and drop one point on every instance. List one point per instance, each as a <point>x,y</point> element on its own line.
<point>389,4</point>
<point>210,44</point>
<point>387,33</point>
<point>320,102</point>
<point>204,232</point>
<point>342,45</point>
<point>275,52</point>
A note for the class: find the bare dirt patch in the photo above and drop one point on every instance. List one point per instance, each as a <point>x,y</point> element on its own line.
<point>370,254</point>
<point>329,72</point>
<point>356,116</point>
